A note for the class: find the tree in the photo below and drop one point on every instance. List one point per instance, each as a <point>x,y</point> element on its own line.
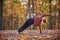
<point>1,11</point>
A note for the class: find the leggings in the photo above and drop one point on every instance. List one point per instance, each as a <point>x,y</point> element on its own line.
<point>26,24</point>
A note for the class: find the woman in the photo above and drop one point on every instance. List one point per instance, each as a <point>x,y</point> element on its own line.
<point>37,20</point>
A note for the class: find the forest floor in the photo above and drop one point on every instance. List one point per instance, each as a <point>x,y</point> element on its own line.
<point>30,35</point>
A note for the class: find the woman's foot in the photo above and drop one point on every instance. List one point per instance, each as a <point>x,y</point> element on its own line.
<point>22,33</point>
<point>19,32</point>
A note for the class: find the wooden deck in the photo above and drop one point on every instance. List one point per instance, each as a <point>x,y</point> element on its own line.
<point>30,35</point>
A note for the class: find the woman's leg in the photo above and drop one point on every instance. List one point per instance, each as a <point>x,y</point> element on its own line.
<point>26,24</point>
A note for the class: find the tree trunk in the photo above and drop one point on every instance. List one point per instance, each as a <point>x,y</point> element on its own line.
<point>59,14</point>
<point>1,8</point>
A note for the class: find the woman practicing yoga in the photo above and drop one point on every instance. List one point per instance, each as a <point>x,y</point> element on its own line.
<point>37,20</point>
